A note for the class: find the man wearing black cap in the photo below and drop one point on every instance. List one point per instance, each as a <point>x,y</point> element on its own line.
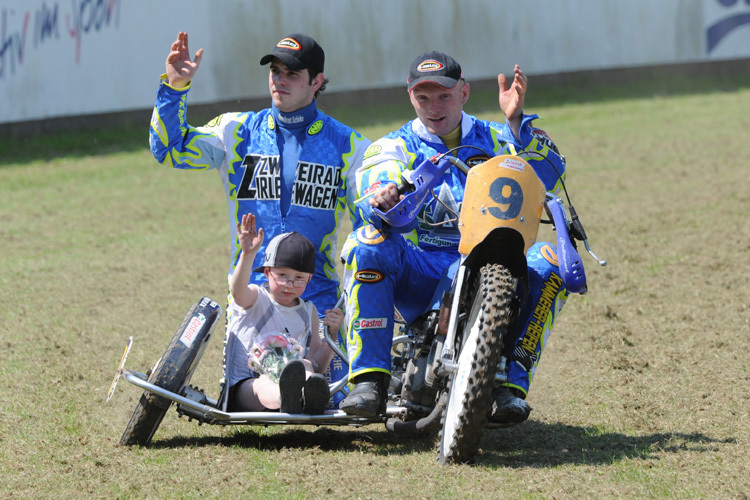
<point>290,165</point>
<point>384,269</point>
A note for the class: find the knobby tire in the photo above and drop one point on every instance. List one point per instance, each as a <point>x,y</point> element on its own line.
<point>171,373</point>
<point>470,389</point>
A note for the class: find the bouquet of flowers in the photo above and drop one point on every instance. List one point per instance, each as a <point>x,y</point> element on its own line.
<point>271,352</point>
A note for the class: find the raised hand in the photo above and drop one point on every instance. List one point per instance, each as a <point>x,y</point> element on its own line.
<point>250,239</point>
<point>180,68</point>
<point>512,99</point>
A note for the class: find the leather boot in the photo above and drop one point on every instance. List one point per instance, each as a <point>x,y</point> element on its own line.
<point>507,408</point>
<point>368,396</point>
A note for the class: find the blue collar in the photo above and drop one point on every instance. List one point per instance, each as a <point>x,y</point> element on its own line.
<point>296,119</point>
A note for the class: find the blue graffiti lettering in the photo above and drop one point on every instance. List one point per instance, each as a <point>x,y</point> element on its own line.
<point>17,28</point>
<point>719,30</point>
<point>45,24</point>
<point>88,15</point>
<point>12,43</point>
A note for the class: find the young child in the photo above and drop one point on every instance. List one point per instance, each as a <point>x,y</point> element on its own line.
<point>276,307</point>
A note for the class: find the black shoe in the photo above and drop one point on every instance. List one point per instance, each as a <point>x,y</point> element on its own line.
<point>316,395</point>
<point>368,396</point>
<point>507,409</point>
<point>291,380</point>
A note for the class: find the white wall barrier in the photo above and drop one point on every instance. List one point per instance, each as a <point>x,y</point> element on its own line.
<point>63,58</point>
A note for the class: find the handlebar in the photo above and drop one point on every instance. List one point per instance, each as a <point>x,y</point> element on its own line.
<point>415,186</point>
<point>577,232</point>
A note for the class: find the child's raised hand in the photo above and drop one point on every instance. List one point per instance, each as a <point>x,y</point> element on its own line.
<point>333,319</point>
<point>250,239</point>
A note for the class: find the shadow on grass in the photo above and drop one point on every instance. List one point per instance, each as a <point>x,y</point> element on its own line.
<point>533,444</point>
<point>370,439</point>
<point>537,444</point>
<point>74,144</point>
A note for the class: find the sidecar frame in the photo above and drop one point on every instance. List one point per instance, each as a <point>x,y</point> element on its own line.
<point>195,404</point>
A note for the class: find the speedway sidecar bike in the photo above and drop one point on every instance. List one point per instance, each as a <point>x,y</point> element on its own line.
<point>446,363</point>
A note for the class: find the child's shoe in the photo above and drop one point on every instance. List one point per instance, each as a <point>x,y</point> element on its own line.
<point>316,395</point>
<point>291,381</point>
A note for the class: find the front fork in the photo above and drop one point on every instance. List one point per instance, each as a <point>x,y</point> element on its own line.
<point>447,360</point>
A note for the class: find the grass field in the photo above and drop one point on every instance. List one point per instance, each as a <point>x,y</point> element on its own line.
<point>643,391</point>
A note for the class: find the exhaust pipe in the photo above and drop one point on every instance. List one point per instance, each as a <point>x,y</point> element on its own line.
<point>416,426</point>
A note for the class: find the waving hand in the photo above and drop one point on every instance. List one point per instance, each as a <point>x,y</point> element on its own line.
<point>180,68</point>
<point>512,99</point>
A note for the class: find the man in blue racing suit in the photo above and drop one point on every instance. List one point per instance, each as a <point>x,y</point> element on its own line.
<point>290,165</point>
<point>384,269</point>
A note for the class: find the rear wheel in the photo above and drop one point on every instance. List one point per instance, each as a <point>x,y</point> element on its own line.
<point>470,388</point>
<point>172,372</point>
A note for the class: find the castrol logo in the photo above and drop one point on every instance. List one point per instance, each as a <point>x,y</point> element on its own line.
<point>195,324</point>
<point>370,323</point>
<point>514,164</point>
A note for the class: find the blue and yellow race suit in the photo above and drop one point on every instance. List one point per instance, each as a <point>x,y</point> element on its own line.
<point>244,148</point>
<point>385,269</point>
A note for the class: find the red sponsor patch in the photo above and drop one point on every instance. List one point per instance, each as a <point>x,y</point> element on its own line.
<point>195,324</point>
<point>514,164</point>
<point>374,187</point>
<point>370,323</point>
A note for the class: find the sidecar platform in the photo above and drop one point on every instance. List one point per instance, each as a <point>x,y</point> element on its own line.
<point>206,410</point>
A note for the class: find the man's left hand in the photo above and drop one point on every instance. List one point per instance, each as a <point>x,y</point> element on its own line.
<point>512,99</point>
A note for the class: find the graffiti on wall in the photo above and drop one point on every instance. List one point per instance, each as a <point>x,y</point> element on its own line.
<point>28,29</point>
<point>736,13</point>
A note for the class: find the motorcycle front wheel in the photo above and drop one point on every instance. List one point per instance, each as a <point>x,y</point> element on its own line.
<point>470,387</point>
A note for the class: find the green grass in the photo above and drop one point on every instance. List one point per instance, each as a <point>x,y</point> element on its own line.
<point>642,392</point>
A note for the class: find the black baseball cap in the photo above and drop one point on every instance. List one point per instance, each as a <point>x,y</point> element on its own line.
<point>298,51</point>
<point>290,250</point>
<point>434,67</point>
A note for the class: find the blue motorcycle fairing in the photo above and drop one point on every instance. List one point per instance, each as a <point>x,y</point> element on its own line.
<point>571,265</point>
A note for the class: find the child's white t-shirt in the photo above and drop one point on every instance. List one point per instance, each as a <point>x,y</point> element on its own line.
<point>265,316</point>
